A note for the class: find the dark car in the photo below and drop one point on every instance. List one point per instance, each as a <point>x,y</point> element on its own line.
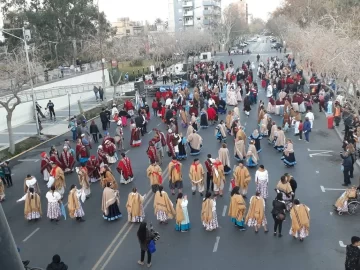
<point>278,45</point>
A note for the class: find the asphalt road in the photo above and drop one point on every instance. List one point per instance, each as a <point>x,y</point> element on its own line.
<point>114,245</point>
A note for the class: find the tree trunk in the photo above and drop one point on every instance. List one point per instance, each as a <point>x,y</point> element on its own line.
<point>114,94</point>
<point>10,131</point>
<point>75,51</point>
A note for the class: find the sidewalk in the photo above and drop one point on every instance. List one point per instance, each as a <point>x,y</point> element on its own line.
<point>55,128</point>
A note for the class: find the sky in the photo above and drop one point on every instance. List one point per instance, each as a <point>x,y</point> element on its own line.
<point>142,10</point>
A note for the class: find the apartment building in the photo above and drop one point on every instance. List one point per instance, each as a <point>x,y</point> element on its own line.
<point>126,27</point>
<point>193,14</point>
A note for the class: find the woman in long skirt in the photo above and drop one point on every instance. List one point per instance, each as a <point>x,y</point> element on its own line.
<point>262,182</point>
<point>208,213</point>
<point>280,140</point>
<point>256,214</point>
<point>300,220</point>
<point>204,119</point>
<point>289,155</point>
<point>252,157</point>
<point>237,208</point>
<point>220,132</point>
<point>54,200</point>
<point>74,204</point>
<point>134,206</point>
<point>256,137</point>
<point>110,203</point>
<point>32,209</point>
<point>182,214</point>
<point>163,207</point>
<point>224,157</point>
<point>182,148</point>
<point>239,149</point>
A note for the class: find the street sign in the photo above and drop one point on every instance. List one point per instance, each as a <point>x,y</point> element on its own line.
<point>321,153</point>
<point>27,34</point>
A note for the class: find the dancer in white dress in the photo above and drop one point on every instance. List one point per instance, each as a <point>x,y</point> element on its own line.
<point>231,98</point>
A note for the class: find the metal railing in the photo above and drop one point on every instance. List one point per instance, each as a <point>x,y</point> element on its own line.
<point>26,96</point>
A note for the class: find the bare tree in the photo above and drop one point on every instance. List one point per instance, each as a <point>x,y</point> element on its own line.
<point>13,69</point>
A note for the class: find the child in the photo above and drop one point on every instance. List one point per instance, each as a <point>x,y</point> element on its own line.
<point>7,173</point>
<point>300,130</point>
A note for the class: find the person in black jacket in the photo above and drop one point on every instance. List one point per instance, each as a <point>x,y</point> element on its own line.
<point>278,213</point>
<point>352,261</point>
<point>94,130</point>
<point>347,166</point>
<point>104,119</point>
<point>144,236</point>
<point>57,264</point>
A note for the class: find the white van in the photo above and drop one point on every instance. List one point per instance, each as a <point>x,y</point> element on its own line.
<point>205,57</point>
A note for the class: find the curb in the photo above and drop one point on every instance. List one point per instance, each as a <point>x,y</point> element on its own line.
<point>46,141</point>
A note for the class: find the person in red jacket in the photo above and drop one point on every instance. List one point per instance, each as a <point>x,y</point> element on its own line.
<point>154,106</point>
<point>212,117</point>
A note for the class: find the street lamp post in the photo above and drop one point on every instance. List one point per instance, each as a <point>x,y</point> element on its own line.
<point>101,50</point>
<point>28,68</point>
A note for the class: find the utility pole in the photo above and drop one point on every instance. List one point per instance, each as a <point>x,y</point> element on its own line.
<point>9,255</point>
<point>101,50</point>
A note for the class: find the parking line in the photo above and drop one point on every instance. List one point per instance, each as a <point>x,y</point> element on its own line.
<point>216,244</point>
<point>33,160</point>
<point>341,243</point>
<point>224,211</point>
<point>322,188</point>
<point>31,234</point>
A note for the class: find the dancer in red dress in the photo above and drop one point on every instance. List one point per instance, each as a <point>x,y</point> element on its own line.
<point>102,155</point>
<point>170,143</point>
<point>67,160</point>
<point>124,168</point>
<point>135,139</point>
<point>93,167</point>
<point>151,152</point>
<point>110,150</point>
<point>45,166</point>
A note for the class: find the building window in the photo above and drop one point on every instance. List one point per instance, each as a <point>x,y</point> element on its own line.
<point>127,31</point>
<point>206,8</point>
<point>180,10</point>
<point>198,18</point>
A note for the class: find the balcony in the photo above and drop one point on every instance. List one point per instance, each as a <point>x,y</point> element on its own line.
<point>188,13</point>
<point>187,4</point>
<point>208,12</point>
<point>208,3</point>
<point>189,23</point>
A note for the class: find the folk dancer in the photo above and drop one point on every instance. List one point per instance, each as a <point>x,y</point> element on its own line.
<point>280,140</point>
<point>237,209</point>
<point>284,187</point>
<point>263,126</point>
<point>220,132</point>
<point>204,123</point>
<point>101,156</point>
<point>134,206</point>
<point>31,182</point>
<point>67,160</point>
<point>84,179</point>
<point>208,213</point>
<point>93,167</point>
<point>125,170</point>
<point>182,214</point>
<point>175,176</point>
<point>82,154</point>
<point>256,214</point>
<point>110,203</point>
<point>196,175</point>
<point>54,201</point>
<point>195,143</point>
<point>159,148</point>
<point>163,207</point>
<point>209,176</point>
<point>300,220</point>
<point>59,179</point>
<point>242,178</point>
<point>288,155</point>
<point>262,182</point>
<point>256,137</point>
<point>54,157</point>
<point>170,140</point>
<point>239,149</point>
<point>182,143</point>
<point>74,204</point>
<point>32,209</point>
<point>154,173</point>
<point>87,145</point>
<point>107,176</point>
<point>184,118</point>
<point>218,176</point>
<point>252,157</point>
<point>273,133</point>
<point>45,166</point>
<point>119,137</point>
<point>224,157</point>
<point>135,139</point>
<point>110,151</point>
<point>151,153</point>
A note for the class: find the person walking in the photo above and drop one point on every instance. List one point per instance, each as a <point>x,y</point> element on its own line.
<point>51,106</point>
<point>300,220</point>
<point>57,264</point>
<point>104,119</point>
<point>54,200</point>
<point>242,178</point>
<point>237,208</point>
<point>163,207</point>
<point>74,204</point>
<point>7,173</point>
<point>262,181</point>
<point>94,130</point>
<point>208,213</point>
<point>352,261</point>
<point>278,213</point>
<point>196,175</point>
<point>346,167</point>
<point>256,214</point>
<point>307,129</point>
<point>135,206</point>
<point>182,214</point>
<point>32,209</point>
<point>209,176</point>
<point>145,236</point>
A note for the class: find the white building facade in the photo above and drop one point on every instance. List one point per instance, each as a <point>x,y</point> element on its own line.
<point>193,14</point>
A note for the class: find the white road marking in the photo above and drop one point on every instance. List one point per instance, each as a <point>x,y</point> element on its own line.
<point>149,132</point>
<point>322,188</point>
<point>110,251</point>
<point>341,243</point>
<point>224,211</point>
<point>159,124</point>
<point>216,244</point>
<point>322,153</point>
<point>245,123</point>
<point>331,213</point>
<point>317,171</point>
<point>31,234</point>
<point>29,159</point>
<point>127,151</point>
<point>12,174</point>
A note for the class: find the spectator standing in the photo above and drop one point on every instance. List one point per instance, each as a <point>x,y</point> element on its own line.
<point>94,130</point>
<point>51,106</point>
<point>278,213</point>
<point>96,92</point>
<point>352,261</point>
<point>307,129</point>
<point>154,106</point>
<point>104,119</point>
<point>145,236</point>
<point>73,127</point>
<point>101,93</point>
<point>57,264</point>
<point>346,167</point>
<point>7,173</point>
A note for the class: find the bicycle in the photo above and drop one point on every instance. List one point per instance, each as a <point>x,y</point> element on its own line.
<point>27,267</point>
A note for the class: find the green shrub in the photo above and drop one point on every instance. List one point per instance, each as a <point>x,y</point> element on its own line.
<point>138,62</point>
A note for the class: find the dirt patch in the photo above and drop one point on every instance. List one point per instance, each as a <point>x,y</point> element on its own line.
<point>23,146</point>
